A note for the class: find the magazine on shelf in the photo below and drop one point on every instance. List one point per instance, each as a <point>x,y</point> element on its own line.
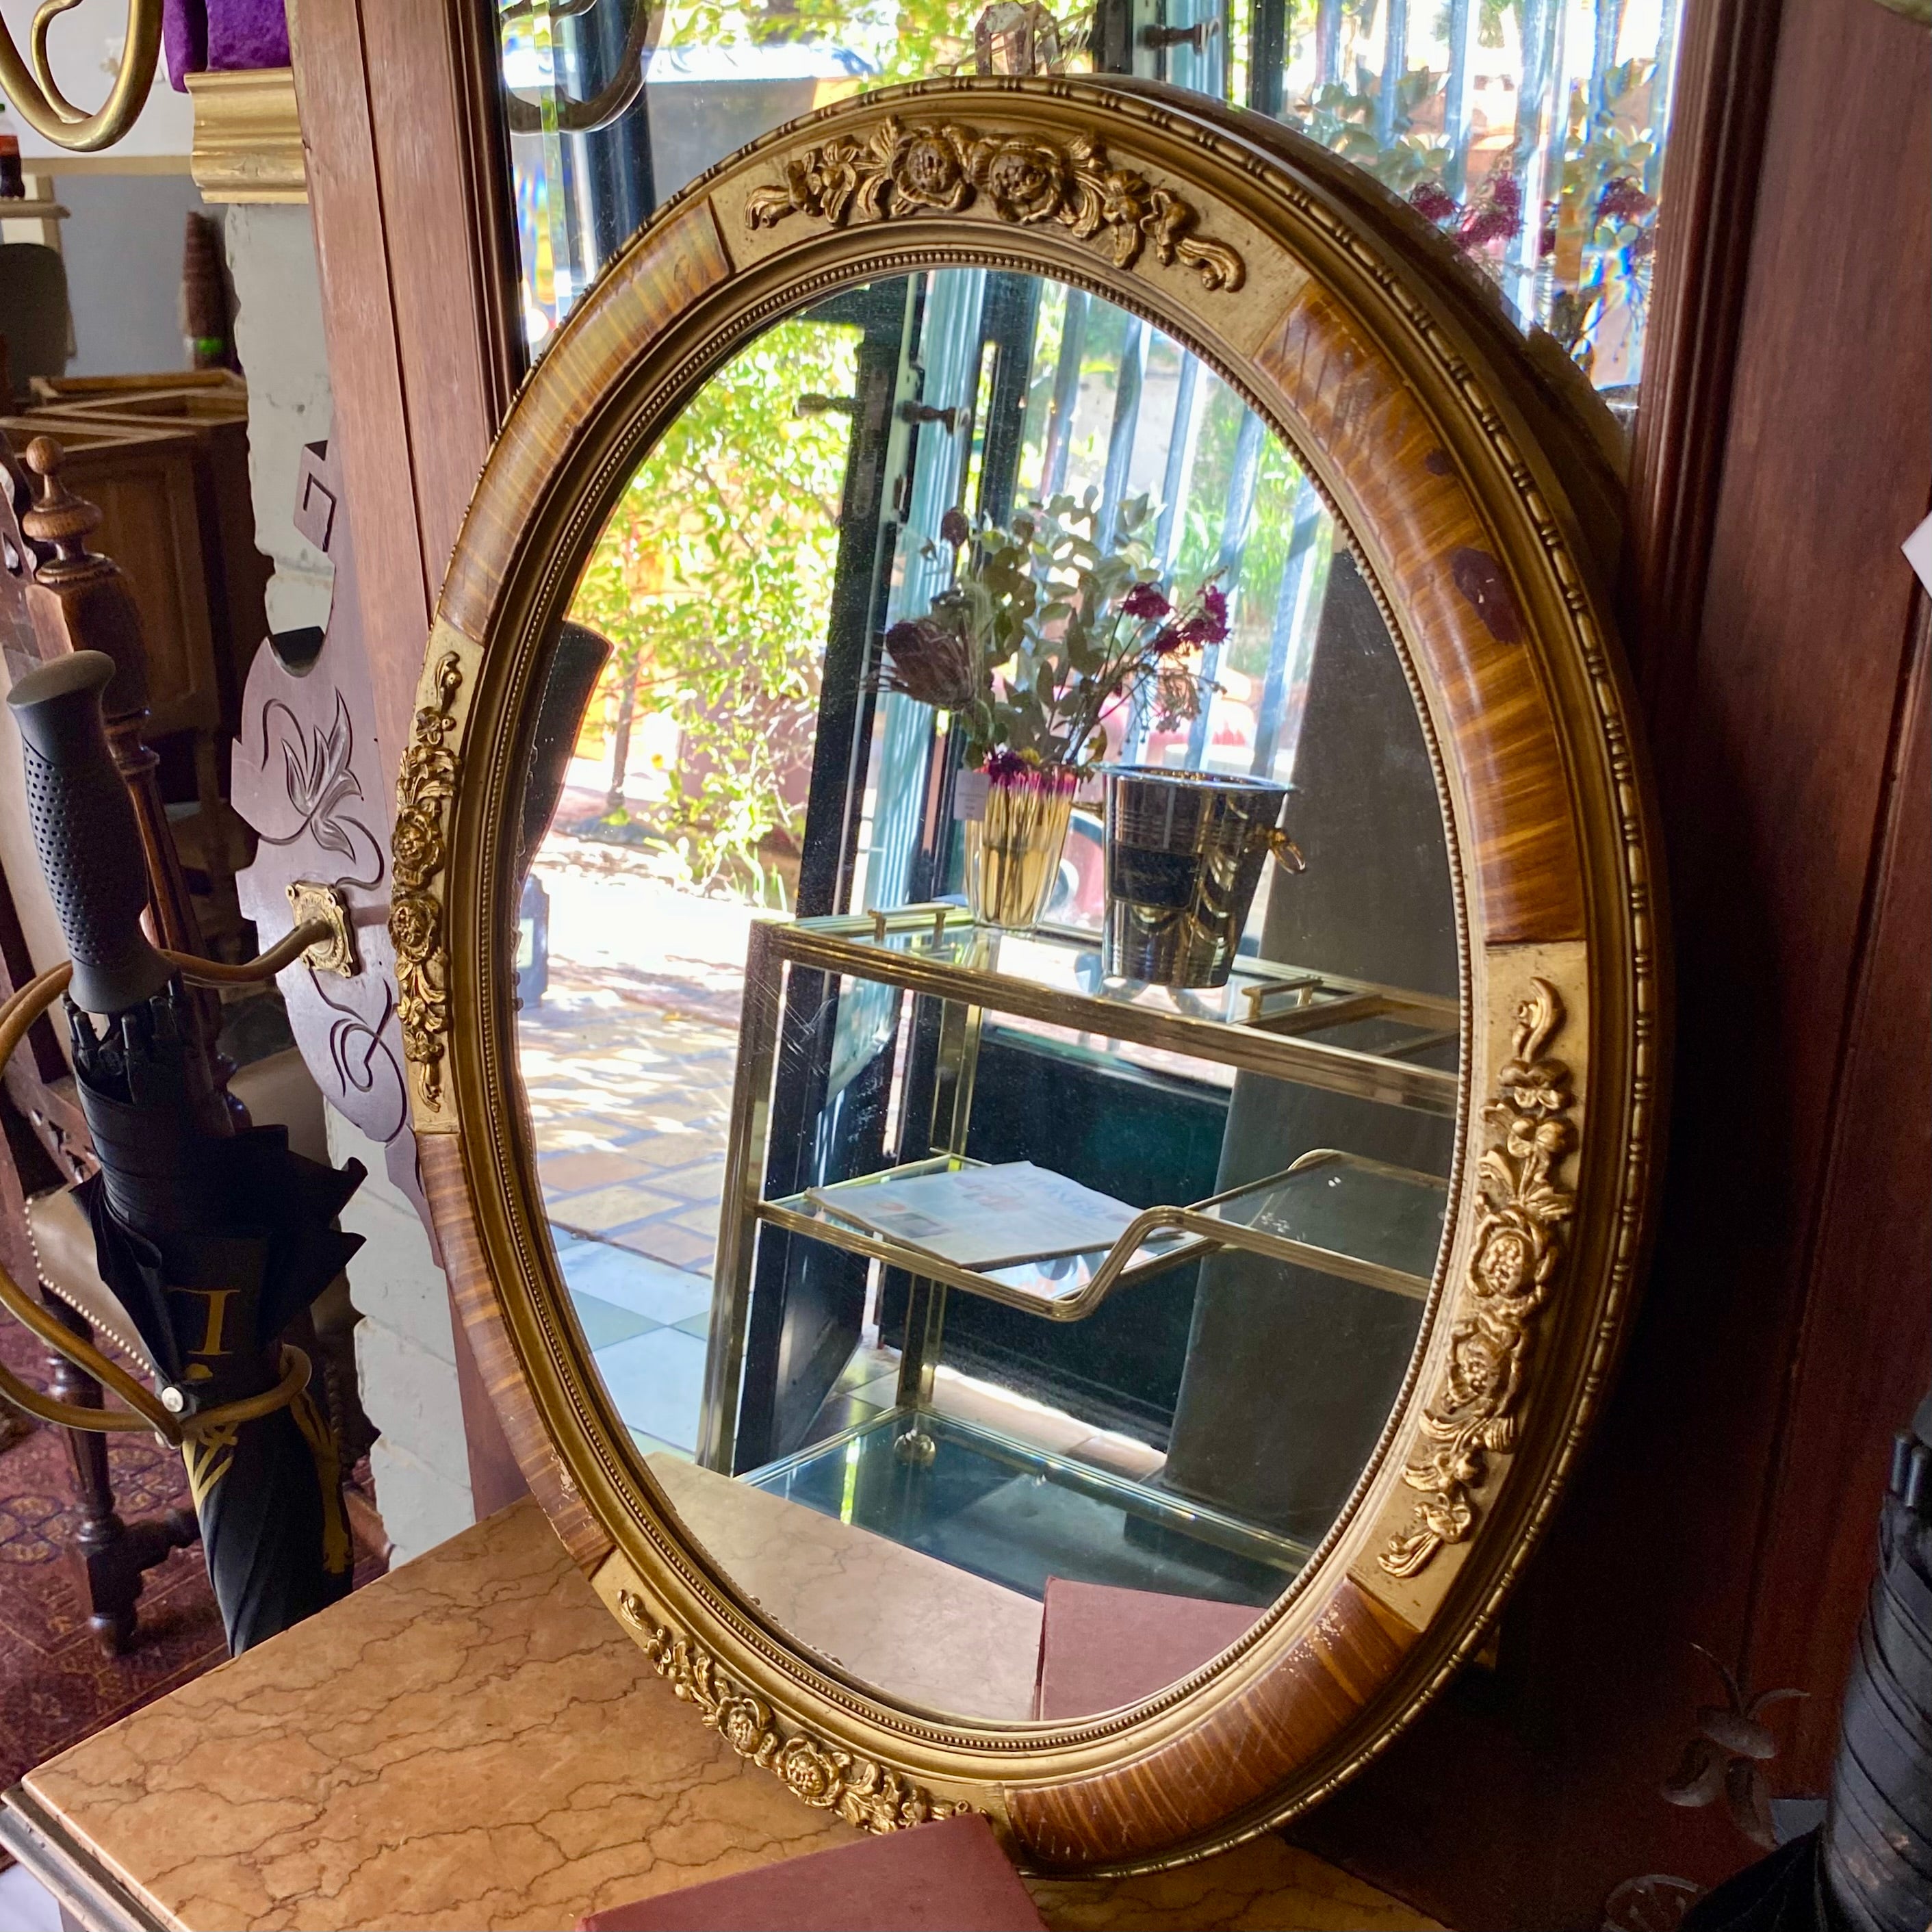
<point>983,1217</point>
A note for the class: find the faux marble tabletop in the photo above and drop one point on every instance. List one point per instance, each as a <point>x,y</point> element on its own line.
<point>471,1742</point>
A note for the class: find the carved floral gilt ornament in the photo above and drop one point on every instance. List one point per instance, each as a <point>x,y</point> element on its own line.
<point>1518,1250</point>
<point>863,1792</point>
<point>424,788</point>
<point>1027,179</point>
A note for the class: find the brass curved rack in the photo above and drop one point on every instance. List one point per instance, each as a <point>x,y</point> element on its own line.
<point>32,92</point>
<point>144,1410</point>
<point>616,98</point>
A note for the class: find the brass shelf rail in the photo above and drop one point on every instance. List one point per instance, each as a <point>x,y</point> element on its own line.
<point>1263,1023</point>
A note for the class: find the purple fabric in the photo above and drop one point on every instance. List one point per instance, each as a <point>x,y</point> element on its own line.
<point>246,34</point>
<point>228,35</point>
<point>184,40</point>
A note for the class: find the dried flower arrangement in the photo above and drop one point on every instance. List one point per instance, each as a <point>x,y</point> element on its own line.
<point>1046,633</point>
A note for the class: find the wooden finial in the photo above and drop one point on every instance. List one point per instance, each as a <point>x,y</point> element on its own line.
<point>57,517</point>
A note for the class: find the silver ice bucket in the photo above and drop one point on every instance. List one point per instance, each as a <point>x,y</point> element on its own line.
<point>1184,853</point>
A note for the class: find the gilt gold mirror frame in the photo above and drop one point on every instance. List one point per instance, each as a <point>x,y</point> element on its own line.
<point>1470,477</point>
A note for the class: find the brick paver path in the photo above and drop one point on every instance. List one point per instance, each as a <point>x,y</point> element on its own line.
<point>627,1062</point>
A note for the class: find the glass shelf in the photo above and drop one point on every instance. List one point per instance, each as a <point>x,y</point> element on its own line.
<point>1016,1514</point>
<point>1345,1216</point>
<point>1333,1212</point>
<point>1062,1288</point>
<point>1379,1043</point>
<point>1354,1219</point>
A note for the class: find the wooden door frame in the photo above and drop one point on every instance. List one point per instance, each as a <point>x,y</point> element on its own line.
<point>409,190</point>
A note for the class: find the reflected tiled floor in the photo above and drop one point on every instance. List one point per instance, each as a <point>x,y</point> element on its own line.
<point>664,1296</point>
<point>627,1062</point>
<point>646,1325</point>
<point>628,1059</point>
<point>656,1384</point>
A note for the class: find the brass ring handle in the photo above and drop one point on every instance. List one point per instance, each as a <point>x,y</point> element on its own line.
<point>70,1415</point>
<point>1287,853</point>
<point>37,98</point>
<point>296,1371</point>
<point>285,951</point>
<point>37,994</point>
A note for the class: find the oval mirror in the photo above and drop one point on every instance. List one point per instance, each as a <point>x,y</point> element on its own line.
<point>1024,941</point>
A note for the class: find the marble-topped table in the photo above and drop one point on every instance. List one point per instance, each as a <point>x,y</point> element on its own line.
<point>471,1742</point>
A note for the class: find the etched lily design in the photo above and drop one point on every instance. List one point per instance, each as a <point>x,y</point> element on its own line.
<point>1726,1758</point>
<point>315,767</point>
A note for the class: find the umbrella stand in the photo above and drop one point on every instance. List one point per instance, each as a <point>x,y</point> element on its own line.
<point>213,1239</point>
<point>145,1413</point>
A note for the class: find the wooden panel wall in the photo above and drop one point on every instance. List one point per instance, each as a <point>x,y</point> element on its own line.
<point>407,197</point>
<point>1730,1499</point>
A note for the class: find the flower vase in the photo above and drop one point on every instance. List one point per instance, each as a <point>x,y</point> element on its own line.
<point>1013,852</point>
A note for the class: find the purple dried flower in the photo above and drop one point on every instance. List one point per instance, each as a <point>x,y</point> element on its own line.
<point>954,528</point>
<point>1209,625</point>
<point>1433,201</point>
<point>1145,603</point>
<point>1497,218</point>
<point>1623,200</point>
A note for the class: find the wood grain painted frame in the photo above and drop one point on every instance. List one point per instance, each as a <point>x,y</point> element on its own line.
<point>1483,510</point>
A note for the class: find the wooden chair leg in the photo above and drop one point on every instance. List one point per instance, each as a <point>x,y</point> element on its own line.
<point>110,1556</point>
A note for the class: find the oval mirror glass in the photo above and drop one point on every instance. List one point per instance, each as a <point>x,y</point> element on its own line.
<point>1003,1248</point>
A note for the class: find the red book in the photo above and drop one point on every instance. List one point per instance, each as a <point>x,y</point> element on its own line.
<point>1102,1647</point>
<point>948,1877</point>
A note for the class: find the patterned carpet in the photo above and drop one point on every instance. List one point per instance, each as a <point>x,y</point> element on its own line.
<point>55,1687</point>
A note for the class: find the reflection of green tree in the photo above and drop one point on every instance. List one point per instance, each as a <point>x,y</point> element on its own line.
<point>713,579</point>
<point>925,37</point>
<point>1345,118</point>
<point>1256,586</point>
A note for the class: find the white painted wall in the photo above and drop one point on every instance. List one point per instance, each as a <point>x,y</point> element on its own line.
<point>405,1353</point>
<point>405,1346</point>
<point>122,243</point>
<point>278,336</point>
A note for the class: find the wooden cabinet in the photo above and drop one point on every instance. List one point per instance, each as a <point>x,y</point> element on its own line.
<point>144,480</point>
<point>214,416</point>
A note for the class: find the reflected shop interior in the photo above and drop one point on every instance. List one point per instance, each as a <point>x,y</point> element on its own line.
<point>1180,1411</point>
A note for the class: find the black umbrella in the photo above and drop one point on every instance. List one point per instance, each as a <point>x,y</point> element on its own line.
<point>213,1240</point>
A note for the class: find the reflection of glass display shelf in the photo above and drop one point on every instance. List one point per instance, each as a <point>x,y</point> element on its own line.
<point>1016,1514</point>
<point>1317,1029</point>
<point>1332,1212</point>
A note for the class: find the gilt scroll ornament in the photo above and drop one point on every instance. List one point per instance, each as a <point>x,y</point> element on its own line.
<point>1514,1264</point>
<point>424,788</point>
<point>864,1793</point>
<point>1023,179</point>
